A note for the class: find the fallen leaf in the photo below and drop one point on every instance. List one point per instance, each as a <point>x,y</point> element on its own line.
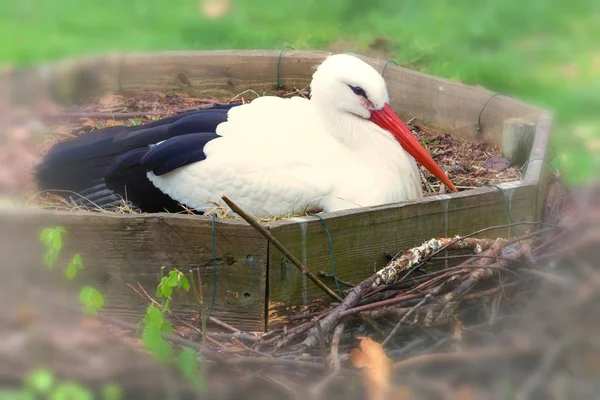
<point>112,122</point>
<point>89,123</point>
<point>377,367</point>
<point>496,164</point>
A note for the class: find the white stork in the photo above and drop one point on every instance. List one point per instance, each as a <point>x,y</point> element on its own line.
<point>341,149</point>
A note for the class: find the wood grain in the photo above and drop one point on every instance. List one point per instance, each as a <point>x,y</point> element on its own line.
<point>538,163</point>
<point>121,249</point>
<point>437,102</point>
<point>361,238</point>
<point>517,140</point>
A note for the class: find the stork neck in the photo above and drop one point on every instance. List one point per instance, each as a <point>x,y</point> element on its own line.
<point>357,133</point>
<point>387,173</point>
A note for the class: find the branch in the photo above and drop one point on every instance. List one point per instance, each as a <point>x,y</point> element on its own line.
<point>390,274</point>
<point>429,295</point>
<point>256,225</point>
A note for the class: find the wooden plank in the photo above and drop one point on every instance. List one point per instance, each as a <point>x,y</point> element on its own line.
<point>361,238</point>
<point>443,103</point>
<point>538,164</point>
<point>517,140</point>
<point>218,73</point>
<point>121,249</point>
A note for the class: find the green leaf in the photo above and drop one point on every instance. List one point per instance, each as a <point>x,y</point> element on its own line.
<point>153,316</point>
<point>187,362</point>
<point>111,391</point>
<point>46,236</point>
<point>173,279</point>
<point>50,258</point>
<point>74,266</point>
<point>71,391</point>
<point>57,240</point>
<point>164,351</point>
<point>151,337</point>
<point>52,239</point>
<point>185,284</point>
<point>91,299</point>
<point>163,289</point>
<point>167,328</point>
<point>39,380</point>
<point>167,291</point>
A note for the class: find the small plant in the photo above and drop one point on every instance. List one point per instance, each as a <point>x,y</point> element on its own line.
<point>156,326</point>
<point>52,239</point>
<point>135,121</point>
<point>41,383</point>
<point>155,323</point>
<point>90,299</point>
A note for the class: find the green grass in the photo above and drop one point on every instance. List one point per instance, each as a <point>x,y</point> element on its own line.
<point>543,51</point>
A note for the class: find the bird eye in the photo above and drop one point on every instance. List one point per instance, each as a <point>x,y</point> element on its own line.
<point>358,90</point>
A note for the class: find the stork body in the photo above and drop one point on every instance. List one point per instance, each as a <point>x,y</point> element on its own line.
<point>341,149</point>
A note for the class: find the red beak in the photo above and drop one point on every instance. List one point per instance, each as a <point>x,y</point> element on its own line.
<point>388,120</point>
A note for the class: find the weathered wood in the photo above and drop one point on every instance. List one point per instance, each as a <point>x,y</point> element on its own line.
<point>272,240</point>
<point>538,165</point>
<point>220,74</point>
<point>435,102</point>
<point>126,249</point>
<point>517,140</point>
<point>361,238</point>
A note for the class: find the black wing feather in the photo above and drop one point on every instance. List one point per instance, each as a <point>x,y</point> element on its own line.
<point>177,152</point>
<point>110,159</point>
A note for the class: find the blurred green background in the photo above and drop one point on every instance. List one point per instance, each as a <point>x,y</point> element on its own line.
<point>545,52</point>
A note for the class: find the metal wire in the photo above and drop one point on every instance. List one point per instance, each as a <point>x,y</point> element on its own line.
<point>279,85</point>
<point>479,127</point>
<point>337,284</point>
<point>214,251</point>
<point>386,64</point>
<point>506,201</point>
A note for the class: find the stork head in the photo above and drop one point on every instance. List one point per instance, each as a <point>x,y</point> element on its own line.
<point>345,84</point>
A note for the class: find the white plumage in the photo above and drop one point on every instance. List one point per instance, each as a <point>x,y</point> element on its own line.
<point>279,156</point>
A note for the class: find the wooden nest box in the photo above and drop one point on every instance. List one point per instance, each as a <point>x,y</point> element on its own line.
<point>253,277</point>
